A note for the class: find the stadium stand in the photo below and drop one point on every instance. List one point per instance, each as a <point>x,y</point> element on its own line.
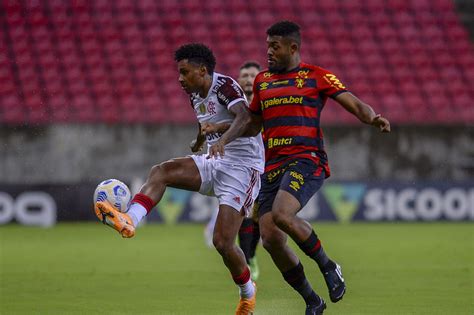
<point>112,61</point>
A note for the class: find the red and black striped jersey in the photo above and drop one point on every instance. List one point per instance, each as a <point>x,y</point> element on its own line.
<point>291,104</point>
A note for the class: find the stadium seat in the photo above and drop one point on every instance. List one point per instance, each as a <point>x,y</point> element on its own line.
<point>110,61</point>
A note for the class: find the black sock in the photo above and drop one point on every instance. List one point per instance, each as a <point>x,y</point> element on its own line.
<point>245,238</point>
<point>313,248</point>
<point>255,239</point>
<point>297,280</point>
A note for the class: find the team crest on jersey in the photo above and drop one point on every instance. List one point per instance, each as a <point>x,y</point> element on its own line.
<point>300,78</point>
<point>211,108</point>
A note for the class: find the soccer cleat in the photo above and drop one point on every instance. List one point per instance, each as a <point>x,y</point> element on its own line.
<point>335,283</point>
<point>316,309</point>
<point>115,219</point>
<point>254,270</point>
<point>247,306</point>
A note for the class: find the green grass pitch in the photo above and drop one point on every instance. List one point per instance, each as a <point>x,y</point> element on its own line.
<point>87,268</point>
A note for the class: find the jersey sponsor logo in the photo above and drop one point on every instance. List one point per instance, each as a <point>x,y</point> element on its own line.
<point>223,98</point>
<point>237,88</point>
<point>227,90</point>
<point>283,82</point>
<point>275,142</point>
<point>213,136</point>
<point>219,82</point>
<point>334,81</point>
<point>281,101</point>
<point>263,86</point>
<point>267,74</point>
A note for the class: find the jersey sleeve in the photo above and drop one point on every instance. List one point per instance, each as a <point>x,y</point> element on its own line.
<point>330,84</point>
<point>230,93</point>
<point>255,104</point>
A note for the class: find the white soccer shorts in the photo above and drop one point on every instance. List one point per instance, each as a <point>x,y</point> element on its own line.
<point>233,185</point>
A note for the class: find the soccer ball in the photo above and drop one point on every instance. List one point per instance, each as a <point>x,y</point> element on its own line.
<point>115,192</point>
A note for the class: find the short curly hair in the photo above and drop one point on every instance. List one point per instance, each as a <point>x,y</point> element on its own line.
<point>287,29</point>
<point>197,53</point>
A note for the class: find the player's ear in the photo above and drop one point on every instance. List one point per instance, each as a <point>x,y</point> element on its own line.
<point>202,70</point>
<point>294,47</point>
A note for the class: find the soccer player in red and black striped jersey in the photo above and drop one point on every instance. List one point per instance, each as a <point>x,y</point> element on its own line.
<point>288,100</point>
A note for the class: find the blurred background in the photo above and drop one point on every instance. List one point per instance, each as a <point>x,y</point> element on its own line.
<point>89,91</point>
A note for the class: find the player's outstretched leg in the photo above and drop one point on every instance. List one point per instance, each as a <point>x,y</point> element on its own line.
<point>179,173</point>
<point>275,242</point>
<point>117,220</point>
<point>284,211</point>
<point>226,229</point>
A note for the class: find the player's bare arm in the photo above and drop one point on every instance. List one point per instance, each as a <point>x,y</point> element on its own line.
<point>252,130</point>
<point>208,128</point>
<point>205,129</point>
<point>363,111</point>
<point>254,126</point>
<point>236,129</point>
<point>197,144</point>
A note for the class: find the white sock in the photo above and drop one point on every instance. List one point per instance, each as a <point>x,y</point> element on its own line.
<point>136,212</point>
<point>247,290</point>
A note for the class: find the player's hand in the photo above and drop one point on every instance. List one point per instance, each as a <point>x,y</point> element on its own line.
<point>382,123</point>
<point>196,145</point>
<point>216,150</point>
<point>208,128</point>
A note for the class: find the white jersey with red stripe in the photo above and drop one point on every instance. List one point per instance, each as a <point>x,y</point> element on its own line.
<point>224,93</point>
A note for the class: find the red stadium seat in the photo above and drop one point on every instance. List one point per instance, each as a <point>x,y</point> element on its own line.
<point>111,61</point>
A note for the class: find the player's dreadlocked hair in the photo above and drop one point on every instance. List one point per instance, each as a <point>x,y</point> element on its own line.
<point>197,53</point>
<point>287,29</point>
<point>250,64</point>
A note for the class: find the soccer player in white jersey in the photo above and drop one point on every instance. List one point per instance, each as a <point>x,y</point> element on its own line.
<point>234,178</point>
<point>249,232</point>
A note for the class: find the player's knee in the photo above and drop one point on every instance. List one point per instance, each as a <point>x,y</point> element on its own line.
<point>222,244</point>
<point>158,173</point>
<point>282,219</point>
<point>271,241</point>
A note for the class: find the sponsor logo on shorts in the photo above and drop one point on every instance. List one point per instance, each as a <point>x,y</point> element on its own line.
<point>296,184</point>
<point>273,174</point>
